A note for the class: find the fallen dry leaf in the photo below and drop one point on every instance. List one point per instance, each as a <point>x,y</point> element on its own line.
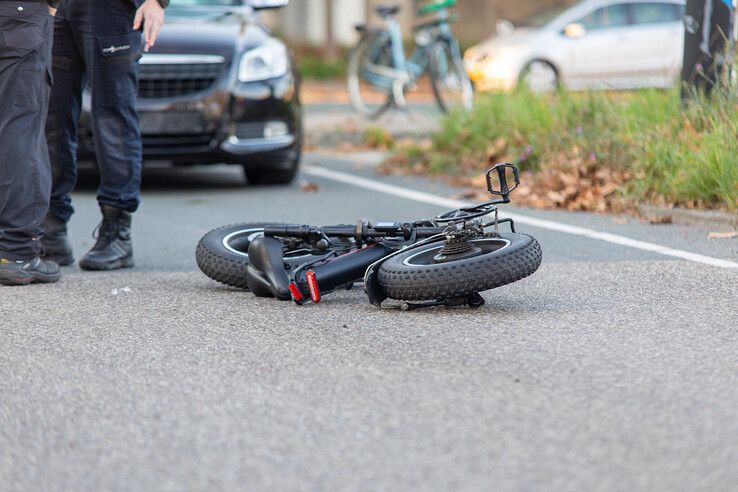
<point>425,144</point>
<point>659,219</point>
<point>418,168</point>
<point>495,150</point>
<point>568,180</point>
<point>309,187</point>
<point>348,147</point>
<point>722,235</point>
<point>404,143</point>
<point>466,195</point>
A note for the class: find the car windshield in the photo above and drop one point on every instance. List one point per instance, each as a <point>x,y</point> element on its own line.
<point>542,17</point>
<point>199,9</point>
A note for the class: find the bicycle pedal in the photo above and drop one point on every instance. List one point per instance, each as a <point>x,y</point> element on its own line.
<point>399,94</point>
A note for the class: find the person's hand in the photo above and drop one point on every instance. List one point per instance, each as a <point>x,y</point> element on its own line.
<point>151,15</point>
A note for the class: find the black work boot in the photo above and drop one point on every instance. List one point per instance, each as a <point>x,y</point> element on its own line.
<point>24,272</point>
<point>113,248</point>
<point>55,243</point>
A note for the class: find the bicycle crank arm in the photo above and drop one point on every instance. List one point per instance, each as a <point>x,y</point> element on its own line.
<point>398,92</point>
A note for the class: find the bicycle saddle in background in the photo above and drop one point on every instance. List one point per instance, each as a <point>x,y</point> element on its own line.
<point>387,10</point>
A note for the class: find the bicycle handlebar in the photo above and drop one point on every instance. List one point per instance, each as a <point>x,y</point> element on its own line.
<point>360,231</point>
<point>302,231</point>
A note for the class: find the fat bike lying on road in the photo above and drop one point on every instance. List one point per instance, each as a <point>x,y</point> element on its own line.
<point>445,261</point>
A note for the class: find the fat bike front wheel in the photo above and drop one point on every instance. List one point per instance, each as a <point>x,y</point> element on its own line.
<point>222,254</point>
<point>419,275</point>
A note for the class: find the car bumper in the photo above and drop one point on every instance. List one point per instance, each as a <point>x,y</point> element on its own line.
<point>256,124</point>
<point>247,146</point>
<point>495,77</point>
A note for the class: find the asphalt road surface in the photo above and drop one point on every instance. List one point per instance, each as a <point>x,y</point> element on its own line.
<point>614,367</point>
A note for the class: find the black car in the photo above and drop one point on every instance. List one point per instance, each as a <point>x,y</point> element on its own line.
<point>219,87</point>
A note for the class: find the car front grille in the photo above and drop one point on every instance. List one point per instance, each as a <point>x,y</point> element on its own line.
<point>165,76</point>
<point>160,142</point>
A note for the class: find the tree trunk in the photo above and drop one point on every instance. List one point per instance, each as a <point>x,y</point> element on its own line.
<point>707,37</point>
<point>331,50</point>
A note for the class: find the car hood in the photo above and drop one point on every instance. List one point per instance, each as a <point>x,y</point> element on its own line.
<point>205,34</point>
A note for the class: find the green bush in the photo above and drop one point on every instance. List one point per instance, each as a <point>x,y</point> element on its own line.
<point>377,138</point>
<point>320,69</point>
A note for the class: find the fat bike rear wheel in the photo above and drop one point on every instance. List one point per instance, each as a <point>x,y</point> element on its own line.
<point>222,254</point>
<point>419,275</point>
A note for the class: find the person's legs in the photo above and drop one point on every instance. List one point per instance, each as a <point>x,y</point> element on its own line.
<point>111,57</point>
<point>113,62</point>
<point>61,128</point>
<point>25,174</point>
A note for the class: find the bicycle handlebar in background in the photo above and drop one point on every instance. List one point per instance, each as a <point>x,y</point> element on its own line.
<point>434,6</point>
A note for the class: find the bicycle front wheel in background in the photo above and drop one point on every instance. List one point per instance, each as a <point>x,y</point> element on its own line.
<point>451,85</point>
<point>370,92</point>
<point>415,275</point>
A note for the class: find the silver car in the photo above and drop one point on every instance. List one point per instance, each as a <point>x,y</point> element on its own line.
<point>595,44</point>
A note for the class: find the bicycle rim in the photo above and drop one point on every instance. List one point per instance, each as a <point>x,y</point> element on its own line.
<point>451,84</point>
<point>370,92</point>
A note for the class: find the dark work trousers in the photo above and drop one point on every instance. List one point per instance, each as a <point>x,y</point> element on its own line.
<point>95,47</point>
<point>25,82</point>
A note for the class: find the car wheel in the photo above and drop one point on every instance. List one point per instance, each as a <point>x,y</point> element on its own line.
<point>283,174</point>
<point>270,176</point>
<point>540,76</point>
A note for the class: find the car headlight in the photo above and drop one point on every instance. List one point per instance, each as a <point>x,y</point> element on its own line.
<point>267,61</point>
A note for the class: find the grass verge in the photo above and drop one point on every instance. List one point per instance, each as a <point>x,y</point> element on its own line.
<point>592,151</point>
<point>314,66</point>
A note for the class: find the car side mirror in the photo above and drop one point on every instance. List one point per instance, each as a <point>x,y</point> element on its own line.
<point>504,27</point>
<point>574,30</point>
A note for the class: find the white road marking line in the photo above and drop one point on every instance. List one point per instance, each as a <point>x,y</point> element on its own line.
<point>450,203</point>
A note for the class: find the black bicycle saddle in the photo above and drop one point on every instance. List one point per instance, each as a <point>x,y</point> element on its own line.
<point>265,274</point>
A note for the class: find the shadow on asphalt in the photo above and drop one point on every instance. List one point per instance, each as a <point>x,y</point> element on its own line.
<point>169,178</point>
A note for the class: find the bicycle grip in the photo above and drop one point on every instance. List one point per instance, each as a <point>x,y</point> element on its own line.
<point>299,231</point>
<point>340,231</point>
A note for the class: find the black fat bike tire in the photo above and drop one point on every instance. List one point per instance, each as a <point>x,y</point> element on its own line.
<point>223,265</point>
<point>461,277</point>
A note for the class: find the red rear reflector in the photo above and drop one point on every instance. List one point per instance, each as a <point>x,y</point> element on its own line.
<point>313,286</point>
<point>295,291</point>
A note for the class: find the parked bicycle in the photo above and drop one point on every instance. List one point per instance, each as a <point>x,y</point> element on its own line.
<point>379,73</point>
